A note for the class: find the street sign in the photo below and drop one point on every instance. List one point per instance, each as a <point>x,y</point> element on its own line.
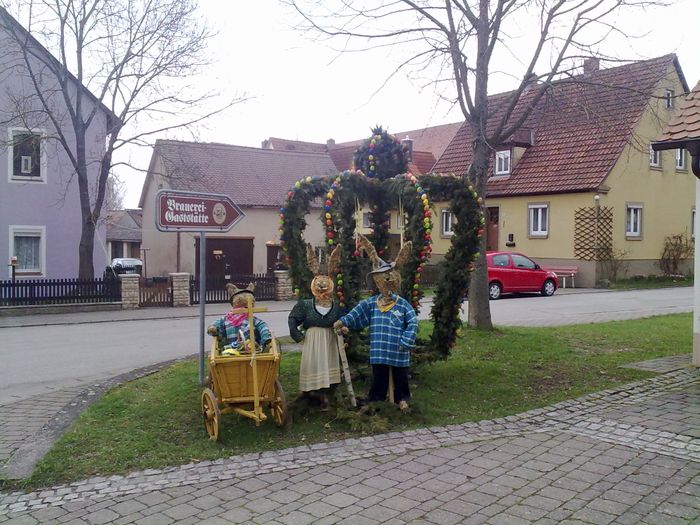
<point>195,212</point>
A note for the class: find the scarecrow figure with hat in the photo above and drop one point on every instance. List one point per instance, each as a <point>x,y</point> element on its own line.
<point>393,326</point>
<point>311,320</point>
<point>233,329</point>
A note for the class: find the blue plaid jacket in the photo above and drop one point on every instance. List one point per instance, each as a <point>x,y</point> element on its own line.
<point>392,334</point>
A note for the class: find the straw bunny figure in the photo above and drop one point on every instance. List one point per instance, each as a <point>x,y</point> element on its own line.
<point>311,320</point>
<point>233,330</point>
<point>392,323</point>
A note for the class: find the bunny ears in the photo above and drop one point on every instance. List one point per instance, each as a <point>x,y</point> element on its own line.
<point>378,264</point>
<point>313,264</point>
<point>234,290</point>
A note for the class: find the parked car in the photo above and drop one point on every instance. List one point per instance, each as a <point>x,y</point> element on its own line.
<point>121,265</point>
<point>510,272</point>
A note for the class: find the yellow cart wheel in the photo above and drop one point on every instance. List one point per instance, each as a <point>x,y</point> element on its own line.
<point>279,405</point>
<point>211,414</point>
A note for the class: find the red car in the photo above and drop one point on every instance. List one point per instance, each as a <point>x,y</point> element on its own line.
<point>513,272</point>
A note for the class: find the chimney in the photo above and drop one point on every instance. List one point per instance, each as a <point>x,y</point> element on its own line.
<point>591,65</point>
<point>266,144</point>
<point>330,143</point>
<point>531,81</point>
<point>408,146</point>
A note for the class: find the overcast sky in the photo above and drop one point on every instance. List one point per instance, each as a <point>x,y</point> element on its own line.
<point>303,90</point>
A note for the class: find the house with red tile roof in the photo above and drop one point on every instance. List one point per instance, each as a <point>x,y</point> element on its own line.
<point>256,179</point>
<point>579,180</point>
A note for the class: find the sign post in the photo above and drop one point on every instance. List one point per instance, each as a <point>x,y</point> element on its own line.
<point>178,211</point>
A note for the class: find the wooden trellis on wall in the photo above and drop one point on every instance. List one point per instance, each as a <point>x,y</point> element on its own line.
<point>593,233</point>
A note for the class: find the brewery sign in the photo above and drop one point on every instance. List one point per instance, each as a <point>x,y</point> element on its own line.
<point>198,212</point>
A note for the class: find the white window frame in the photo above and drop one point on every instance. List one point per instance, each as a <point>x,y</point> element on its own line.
<point>535,227</point>
<point>669,98</point>
<point>11,177</point>
<point>680,159</point>
<point>503,163</point>
<point>654,158</point>
<point>29,231</point>
<point>634,225</point>
<point>446,222</point>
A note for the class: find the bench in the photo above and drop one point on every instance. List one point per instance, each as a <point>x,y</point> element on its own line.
<point>564,272</point>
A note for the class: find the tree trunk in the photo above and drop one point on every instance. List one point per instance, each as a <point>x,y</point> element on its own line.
<point>479,308</point>
<point>86,269</point>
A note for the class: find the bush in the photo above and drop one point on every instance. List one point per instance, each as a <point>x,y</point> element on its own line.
<point>677,248</point>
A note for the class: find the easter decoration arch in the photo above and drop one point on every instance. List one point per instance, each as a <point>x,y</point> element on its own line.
<point>382,182</point>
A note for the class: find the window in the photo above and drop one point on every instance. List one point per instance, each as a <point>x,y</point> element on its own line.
<point>26,156</point>
<point>669,97</point>
<point>692,224</point>
<point>633,221</point>
<point>365,219</point>
<point>502,162</point>
<point>539,217</point>
<point>680,159</point>
<point>501,260</point>
<point>654,157</point>
<point>523,262</point>
<point>27,244</point>
<point>447,223</point>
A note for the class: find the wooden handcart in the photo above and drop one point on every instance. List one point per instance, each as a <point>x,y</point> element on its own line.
<point>243,384</point>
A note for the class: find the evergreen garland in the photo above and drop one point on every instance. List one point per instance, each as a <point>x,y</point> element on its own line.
<point>381,156</point>
<point>341,193</point>
<point>455,269</point>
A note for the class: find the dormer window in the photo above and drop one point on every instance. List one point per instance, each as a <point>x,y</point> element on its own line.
<point>502,162</point>
<point>669,96</point>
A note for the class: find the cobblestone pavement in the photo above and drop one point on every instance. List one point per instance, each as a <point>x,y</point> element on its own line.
<point>625,456</point>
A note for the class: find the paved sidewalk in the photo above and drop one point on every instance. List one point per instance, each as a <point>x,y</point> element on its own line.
<point>627,456</point>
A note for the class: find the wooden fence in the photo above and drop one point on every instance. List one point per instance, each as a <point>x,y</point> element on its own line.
<point>265,287</point>
<point>23,292</point>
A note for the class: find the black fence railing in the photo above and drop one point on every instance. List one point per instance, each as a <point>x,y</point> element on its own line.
<point>23,292</point>
<point>265,287</point>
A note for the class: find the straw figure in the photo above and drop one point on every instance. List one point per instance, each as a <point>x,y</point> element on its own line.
<point>311,320</point>
<point>393,325</point>
<point>233,329</point>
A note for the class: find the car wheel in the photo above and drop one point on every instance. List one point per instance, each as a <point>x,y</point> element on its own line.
<point>548,288</point>
<point>494,290</point>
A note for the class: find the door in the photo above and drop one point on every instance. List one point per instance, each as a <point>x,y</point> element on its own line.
<point>273,253</point>
<point>526,276</point>
<point>492,229</point>
<point>226,257</point>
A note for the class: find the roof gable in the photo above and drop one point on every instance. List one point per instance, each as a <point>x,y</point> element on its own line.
<point>580,127</point>
<point>13,25</point>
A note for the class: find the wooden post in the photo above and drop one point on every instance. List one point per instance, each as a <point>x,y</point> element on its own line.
<point>346,369</point>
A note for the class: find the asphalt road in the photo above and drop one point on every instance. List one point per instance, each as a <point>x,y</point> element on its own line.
<point>83,348</point>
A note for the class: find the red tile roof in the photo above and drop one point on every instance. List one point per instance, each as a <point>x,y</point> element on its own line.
<point>250,176</point>
<point>685,124</point>
<point>433,139</point>
<point>580,128</point>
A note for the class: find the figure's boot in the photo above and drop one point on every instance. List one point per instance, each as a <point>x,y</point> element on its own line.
<point>403,406</point>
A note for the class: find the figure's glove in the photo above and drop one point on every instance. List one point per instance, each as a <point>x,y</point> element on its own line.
<point>340,328</point>
<point>212,331</point>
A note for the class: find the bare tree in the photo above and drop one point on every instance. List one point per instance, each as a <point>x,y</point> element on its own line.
<point>455,42</point>
<point>135,57</point>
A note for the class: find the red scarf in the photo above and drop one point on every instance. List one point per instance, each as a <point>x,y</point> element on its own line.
<point>236,320</point>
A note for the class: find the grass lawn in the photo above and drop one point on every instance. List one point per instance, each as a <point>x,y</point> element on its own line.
<point>652,281</point>
<point>155,421</point>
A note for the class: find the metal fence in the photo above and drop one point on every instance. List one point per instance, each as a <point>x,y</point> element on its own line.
<point>265,287</point>
<point>21,292</point>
